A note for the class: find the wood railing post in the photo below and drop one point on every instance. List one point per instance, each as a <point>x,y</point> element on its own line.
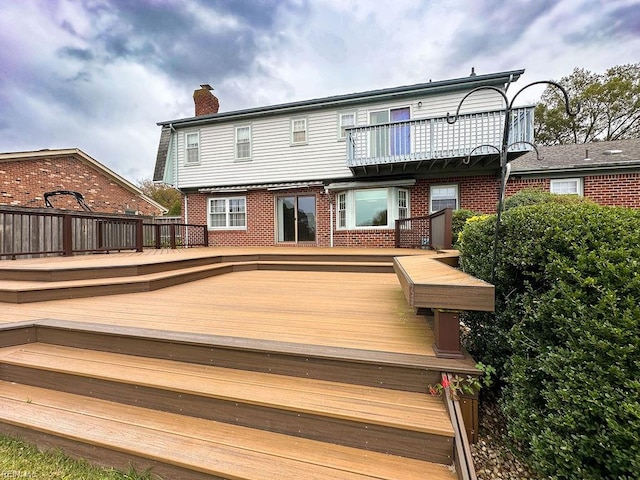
<point>139,234</point>
<point>446,330</point>
<point>67,235</point>
<point>157,235</point>
<point>172,235</point>
<point>205,236</point>
<point>397,233</point>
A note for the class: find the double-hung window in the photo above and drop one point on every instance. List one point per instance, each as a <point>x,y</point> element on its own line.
<point>345,120</point>
<point>443,196</point>
<point>227,213</point>
<point>566,186</point>
<point>243,142</point>
<point>298,131</point>
<point>192,148</point>
<point>342,210</point>
<point>371,208</point>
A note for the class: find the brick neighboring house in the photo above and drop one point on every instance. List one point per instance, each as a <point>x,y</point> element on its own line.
<point>338,171</point>
<point>605,172</point>
<point>26,176</point>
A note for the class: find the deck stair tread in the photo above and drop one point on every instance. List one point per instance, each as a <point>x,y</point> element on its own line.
<point>204,446</point>
<point>87,283</point>
<point>50,283</point>
<point>367,405</point>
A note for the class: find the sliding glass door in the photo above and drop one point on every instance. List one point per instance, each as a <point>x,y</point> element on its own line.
<point>296,218</point>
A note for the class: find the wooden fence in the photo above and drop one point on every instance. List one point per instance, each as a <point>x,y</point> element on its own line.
<point>32,232</point>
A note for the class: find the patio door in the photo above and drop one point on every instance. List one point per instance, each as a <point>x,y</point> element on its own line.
<point>296,218</point>
<point>390,139</point>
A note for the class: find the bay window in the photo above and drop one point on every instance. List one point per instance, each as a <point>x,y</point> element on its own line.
<point>371,208</point>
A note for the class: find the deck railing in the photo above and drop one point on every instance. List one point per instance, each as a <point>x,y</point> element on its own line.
<point>429,231</point>
<point>30,232</point>
<point>434,138</point>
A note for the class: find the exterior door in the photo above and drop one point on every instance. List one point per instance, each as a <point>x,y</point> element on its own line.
<point>296,218</point>
<point>390,139</point>
<point>400,134</point>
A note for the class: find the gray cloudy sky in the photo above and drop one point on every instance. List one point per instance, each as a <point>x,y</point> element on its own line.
<point>99,74</point>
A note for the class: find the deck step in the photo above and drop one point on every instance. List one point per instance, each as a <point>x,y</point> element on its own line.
<point>178,446</point>
<point>410,424</point>
<point>86,283</point>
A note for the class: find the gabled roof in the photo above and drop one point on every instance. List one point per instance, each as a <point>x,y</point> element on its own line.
<point>161,157</point>
<point>341,101</point>
<point>580,158</point>
<point>83,157</point>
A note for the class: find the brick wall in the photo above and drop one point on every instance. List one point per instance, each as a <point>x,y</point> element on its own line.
<point>614,190</point>
<point>24,182</point>
<point>479,194</point>
<point>261,207</point>
<point>620,190</point>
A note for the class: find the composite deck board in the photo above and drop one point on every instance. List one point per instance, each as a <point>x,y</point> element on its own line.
<point>392,408</point>
<point>209,447</point>
<point>351,310</point>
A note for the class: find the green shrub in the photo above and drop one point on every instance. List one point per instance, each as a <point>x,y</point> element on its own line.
<point>565,334</point>
<point>458,220</point>
<point>534,196</point>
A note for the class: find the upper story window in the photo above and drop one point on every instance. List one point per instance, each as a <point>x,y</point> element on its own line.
<point>227,213</point>
<point>243,142</point>
<point>298,131</point>
<point>192,148</point>
<point>443,196</point>
<point>566,186</point>
<point>371,208</point>
<point>345,120</point>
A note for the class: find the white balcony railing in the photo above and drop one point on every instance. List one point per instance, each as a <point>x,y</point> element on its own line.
<point>434,138</point>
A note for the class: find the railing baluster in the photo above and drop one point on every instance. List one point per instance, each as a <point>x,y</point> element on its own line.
<point>432,138</point>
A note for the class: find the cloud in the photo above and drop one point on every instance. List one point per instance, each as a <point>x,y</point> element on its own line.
<point>99,74</point>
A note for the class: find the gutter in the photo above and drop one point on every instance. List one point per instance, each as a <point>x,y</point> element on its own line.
<point>353,98</point>
<point>577,169</point>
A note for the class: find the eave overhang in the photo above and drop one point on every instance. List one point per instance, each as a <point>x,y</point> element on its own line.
<point>352,99</point>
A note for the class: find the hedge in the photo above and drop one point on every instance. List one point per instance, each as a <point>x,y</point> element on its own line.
<point>566,332</point>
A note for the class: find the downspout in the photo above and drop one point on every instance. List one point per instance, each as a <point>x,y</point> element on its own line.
<point>326,191</point>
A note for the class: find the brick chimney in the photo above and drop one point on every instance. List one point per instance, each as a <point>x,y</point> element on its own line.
<point>205,101</point>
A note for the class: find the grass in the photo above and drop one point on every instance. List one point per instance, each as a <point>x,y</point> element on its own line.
<point>19,460</point>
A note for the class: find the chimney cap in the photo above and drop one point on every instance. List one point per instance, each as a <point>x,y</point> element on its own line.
<point>206,86</point>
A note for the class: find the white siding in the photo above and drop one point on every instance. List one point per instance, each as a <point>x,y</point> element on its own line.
<point>323,157</point>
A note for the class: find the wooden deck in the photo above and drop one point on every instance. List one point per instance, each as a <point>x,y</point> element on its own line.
<point>315,352</point>
<point>352,310</point>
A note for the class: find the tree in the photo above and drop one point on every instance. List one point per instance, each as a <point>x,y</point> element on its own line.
<point>609,107</point>
<point>165,195</point>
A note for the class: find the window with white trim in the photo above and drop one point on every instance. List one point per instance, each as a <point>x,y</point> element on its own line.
<point>227,213</point>
<point>342,210</point>
<point>371,208</point>
<point>192,148</point>
<point>566,186</point>
<point>298,131</point>
<point>243,142</point>
<point>443,196</point>
<point>345,120</point>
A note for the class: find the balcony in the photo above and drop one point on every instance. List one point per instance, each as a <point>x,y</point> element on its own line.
<point>433,143</point>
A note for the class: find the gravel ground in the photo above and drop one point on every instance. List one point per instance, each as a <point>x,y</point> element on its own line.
<point>491,457</point>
